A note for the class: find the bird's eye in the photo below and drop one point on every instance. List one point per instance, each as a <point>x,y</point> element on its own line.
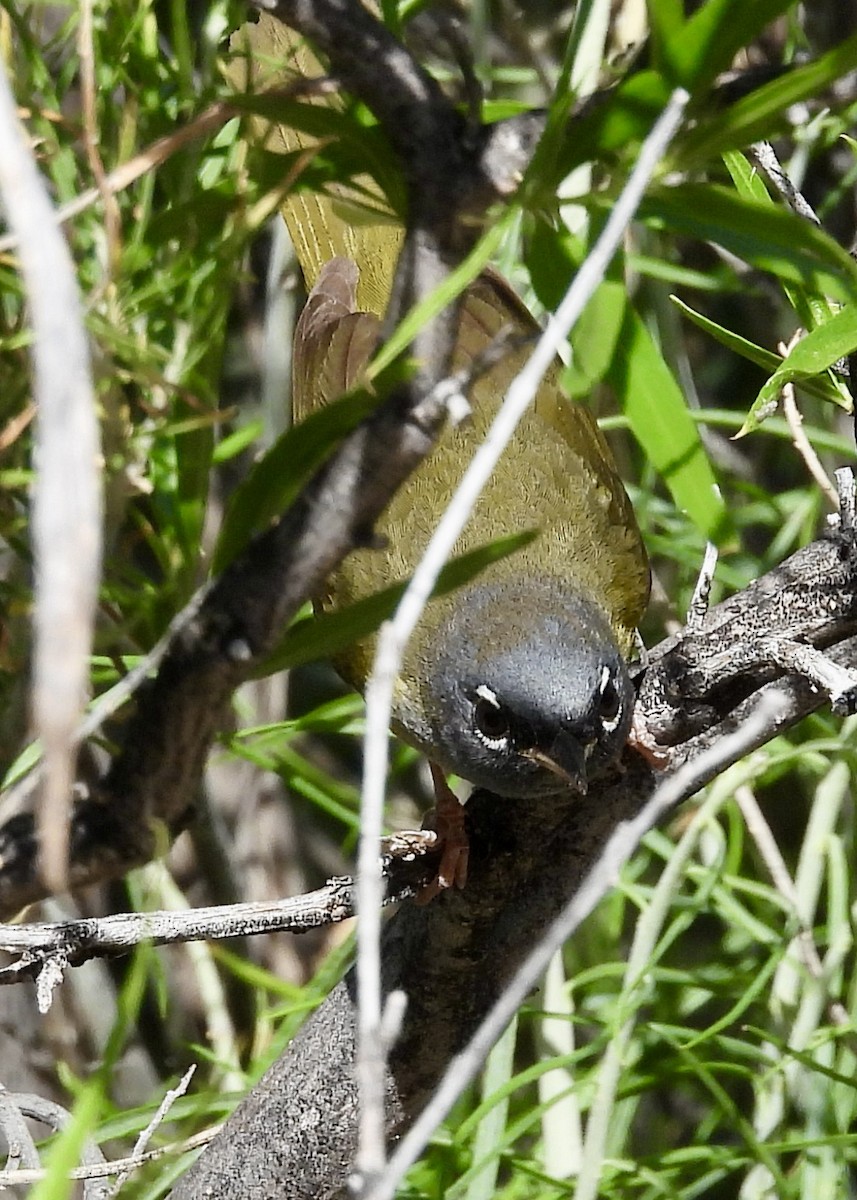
<point>609,701</point>
<point>490,719</point>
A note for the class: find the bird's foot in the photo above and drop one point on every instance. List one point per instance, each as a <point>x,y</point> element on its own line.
<point>641,739</point>
<point>452,835</point>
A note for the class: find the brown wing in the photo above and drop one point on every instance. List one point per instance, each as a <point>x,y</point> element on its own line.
<point>333,343</point>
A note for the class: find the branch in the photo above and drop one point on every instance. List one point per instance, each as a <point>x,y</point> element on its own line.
<point>409,862</point>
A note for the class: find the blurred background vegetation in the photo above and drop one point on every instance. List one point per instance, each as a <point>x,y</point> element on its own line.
<point>687,1043</point>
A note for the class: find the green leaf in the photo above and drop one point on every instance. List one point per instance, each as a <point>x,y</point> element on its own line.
<point>710,39</point>
<point>361,146</point>
<point>611,342</point>
<point>768,238</point>
<point>748,182</point>
<point>617,124</point>
<point>329,633</point>
<point>733,341</point>
<point>812,308</point>
<point>822,387</point>
<point>691,54</point>
<point>756,116</point>
<point>820,349</point>
<point>657,413</point>
<point>237,442</point>
<point>445,292</point>
<point>553,256</point>
<point>317,119</point>
<point>275,480</point>
<point>666,22</point>
<point>594,339</point>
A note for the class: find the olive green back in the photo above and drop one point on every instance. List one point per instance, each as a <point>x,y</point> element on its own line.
<point>557,475</point>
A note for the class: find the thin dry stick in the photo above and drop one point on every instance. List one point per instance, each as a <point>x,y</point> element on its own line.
<point>801,442</point>
<point>405,865</point>
<point>698,606</point>
<point>138,1154</point>
<point>15,426</point>
<point>803,446</point>
<point>105,1169</point>
<point>117,934</point>
<point>22,1152</point>
<point>57,1118</point>
<point>771,168</point>
<point>67,492</point>
<point>394,635</point>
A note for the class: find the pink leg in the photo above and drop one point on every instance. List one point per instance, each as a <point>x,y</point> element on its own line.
<point>449,823</point>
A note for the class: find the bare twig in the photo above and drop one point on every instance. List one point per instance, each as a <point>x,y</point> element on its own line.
<point>69,943</point>
<point>56,1118</point>
<point>770,166</point>
<point>67,496</point>
<point>16,1134</point>
<point>102,1170</point>
<point>698,606</point>
<point>138,1155</point>
<point>803,445</point>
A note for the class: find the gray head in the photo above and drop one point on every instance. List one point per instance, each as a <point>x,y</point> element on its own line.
<point>526,690</point>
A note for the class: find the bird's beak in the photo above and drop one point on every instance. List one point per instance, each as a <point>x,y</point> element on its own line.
<point>565,758</point>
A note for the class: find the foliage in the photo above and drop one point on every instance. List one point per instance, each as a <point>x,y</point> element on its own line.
<point>686,1034</point>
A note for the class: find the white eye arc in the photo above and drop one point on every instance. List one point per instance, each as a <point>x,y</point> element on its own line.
<point>489,719</point>
<point>609,701</point>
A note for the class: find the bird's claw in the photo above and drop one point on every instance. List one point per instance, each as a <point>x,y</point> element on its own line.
<point>452,835</point>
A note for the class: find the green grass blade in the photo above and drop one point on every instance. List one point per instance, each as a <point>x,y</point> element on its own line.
<point>658,416</point>
<point>813,354</point>
<point>277,478</point>
<point>762,112</point>
<point>767,238</point>
<point>821,387</point>
<point>329,633</point>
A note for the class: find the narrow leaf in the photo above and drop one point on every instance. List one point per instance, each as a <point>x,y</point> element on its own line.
<point>275,480</point>
<point>611,342</point>
<point>768,238</point>
<point>329,633</point>
<point>620,122</point>
<point>816,352</point>
<point>822,387</point>
<point>812,309</point>
<point>710,39</point>
<point>760,114</point>
<point>658,416</point>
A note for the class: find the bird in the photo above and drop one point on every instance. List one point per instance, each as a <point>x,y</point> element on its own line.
<point>518,681</point>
